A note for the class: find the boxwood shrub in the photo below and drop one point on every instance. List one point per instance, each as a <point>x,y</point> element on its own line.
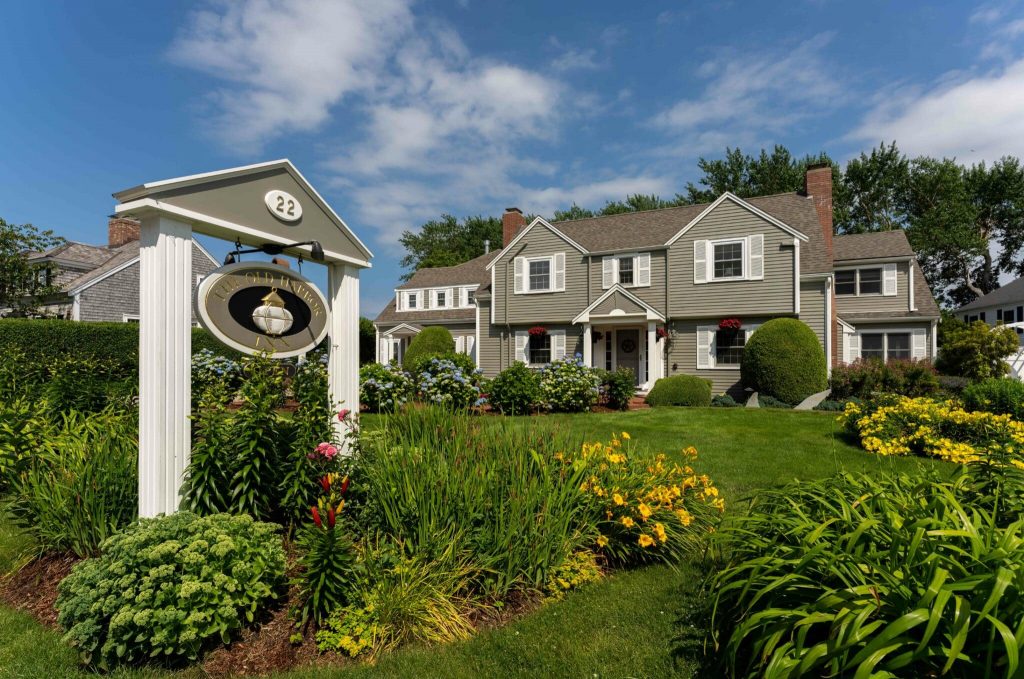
<point>784,359</point>
<point>164,589</point>
<point>680,390</point>
<point>430,342</point>
<point>1002,396</point>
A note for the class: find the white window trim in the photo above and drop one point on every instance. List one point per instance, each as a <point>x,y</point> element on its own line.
<point>748,330</point>
<point>456,298</point>
<point>881,281</point>
<point>436,292</point>
<point>614,259</point>
<point>744,264</point>
<point>550,259</point>
<point>129,317</point>
<point>886,331</point>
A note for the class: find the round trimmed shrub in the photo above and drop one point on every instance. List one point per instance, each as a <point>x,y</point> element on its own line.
<point>515,391</point>
<point>429,343</point>
<point>1002,396</point>
<point>783,359</point>
<point>680,390</point>
<point>166,588</point>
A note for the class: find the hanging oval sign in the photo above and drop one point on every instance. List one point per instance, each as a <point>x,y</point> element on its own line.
<point>283,205</point>
<point>260,307</point>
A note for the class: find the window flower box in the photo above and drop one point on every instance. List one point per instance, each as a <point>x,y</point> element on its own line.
<point>732,324</point>
<point>538,331</point>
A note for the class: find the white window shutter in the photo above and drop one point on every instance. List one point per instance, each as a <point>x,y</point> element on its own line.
<point>424,300</point>
<point>919,344</point>
<point>700,261</point>
<point>755,270</point>
<point>449,299</point>
<point>559,271</point>
<point>607,272</point>
<point>643,269</point>
<point>522,342</point>
<point>853,348</point>
<point>463,297</point>
<point>398,301</point>
<point>557,345</point>
<point>520,275</point>
<point>889,280</point>
<point>471,346</point>
<point>705,339</point>
<point>460,342</point>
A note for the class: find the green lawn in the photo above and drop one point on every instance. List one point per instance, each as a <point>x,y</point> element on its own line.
<point>621,627</point>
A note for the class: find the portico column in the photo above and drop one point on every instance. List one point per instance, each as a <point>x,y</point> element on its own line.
<point>165,362</point>
<point>588,345</point>
<point>654,358</point>
<point>343,359</point>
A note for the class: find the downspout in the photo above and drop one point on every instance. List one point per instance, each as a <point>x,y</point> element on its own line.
<point>668,320</point>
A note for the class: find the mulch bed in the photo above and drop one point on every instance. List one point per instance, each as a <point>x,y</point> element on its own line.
<point>33,589</point>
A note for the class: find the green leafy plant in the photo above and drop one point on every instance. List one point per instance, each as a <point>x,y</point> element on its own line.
<point>724,401</point>
<point>1002,396</point>
<point>462,361</point>
<point>858,576</point>
<point>166,588</point>
<point>443,382</point>
<point>24,434</point>
<point>865,378</point>
<point>255,439</point>
<point>515,390</point>
<point>326,561</point>
<point>618,387</point>
<point>976,351</point>
<point>207,488</point>
<point>80,485</point>
<point>579,569</point>
<point>311,424</point>
<point>384,388</point>
<point>569,386</point>
<point>430,342</point>
<point>680,390</point>
<point>772,402</point>
<point>785,360</point>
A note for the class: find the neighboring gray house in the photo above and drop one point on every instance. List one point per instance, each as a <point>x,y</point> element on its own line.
<point>649,290</point>
<point>101,283</point>
<point>1005,306</point>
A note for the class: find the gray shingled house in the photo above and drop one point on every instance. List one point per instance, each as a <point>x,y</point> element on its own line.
<point>101,282</point>
<point>660,291</point>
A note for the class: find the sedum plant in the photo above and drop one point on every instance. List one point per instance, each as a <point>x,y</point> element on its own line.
<point>165,589</point>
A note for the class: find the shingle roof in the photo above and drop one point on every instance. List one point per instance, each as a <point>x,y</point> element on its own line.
<point>1011,293</point>
<point>389,315</point>
<point>872,246</point>
<point>653,228</point>
<point>924,300</point>
<point>81,253</point>
<point>115,258</point>
<point>467,273</point>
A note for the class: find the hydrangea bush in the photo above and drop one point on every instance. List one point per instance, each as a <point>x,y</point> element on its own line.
<point>208,368</point>
<point>164,588</point>
<point>442,382</point>
<point>384,388</point>
<point>569,386</point>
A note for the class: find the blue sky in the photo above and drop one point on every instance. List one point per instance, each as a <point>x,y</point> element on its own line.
<point>399,111</point>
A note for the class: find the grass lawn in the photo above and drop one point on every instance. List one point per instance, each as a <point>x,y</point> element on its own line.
<point>621,627</point>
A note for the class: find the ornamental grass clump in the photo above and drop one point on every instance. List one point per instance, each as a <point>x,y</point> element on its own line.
<point>919,426</point>
<point>165,589</point>
<point>906,576</point>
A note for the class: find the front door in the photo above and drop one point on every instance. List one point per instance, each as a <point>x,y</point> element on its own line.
<point>627,350</point>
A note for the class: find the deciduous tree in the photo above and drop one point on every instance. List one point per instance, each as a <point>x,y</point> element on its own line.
<point>23,284</point>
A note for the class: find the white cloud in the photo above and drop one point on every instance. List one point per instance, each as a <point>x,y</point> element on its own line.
<point>972,117</point>
<point>575,60</point>
<point>286,63</point>
<point>755,92</point>
<point>595,194</point>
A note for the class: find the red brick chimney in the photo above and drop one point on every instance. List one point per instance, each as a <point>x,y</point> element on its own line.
<point>511,222</point>
<point>818,186</point>
<point>121,230</point>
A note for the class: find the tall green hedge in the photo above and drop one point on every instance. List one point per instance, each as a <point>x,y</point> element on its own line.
<point>784,359</point>
<point>43,340</point>
<point>433,341</point>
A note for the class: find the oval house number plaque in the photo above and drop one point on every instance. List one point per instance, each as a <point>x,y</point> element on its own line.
<point>261,307</point>
<point>283,205</point>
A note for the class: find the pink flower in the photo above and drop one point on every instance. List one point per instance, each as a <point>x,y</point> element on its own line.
<point>326,450</point>
<point>343,414</point>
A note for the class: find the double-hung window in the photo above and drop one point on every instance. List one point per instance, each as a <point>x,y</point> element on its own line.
<point>540,349</point>
<point>441,299</point>
<point>626,271</point>
<point>870,282</point>
<point>539,275</point>
<point>411,300</point>
<point>885,346</point>
<point>846,282</point>
<point>470,297</point>
<point>728,260</point>
<point>852,282</point>
<point>729,347</point>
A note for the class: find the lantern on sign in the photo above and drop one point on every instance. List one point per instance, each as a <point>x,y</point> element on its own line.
<point>271,317</point>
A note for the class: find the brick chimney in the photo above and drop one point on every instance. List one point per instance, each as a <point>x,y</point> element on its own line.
<point>121,230</point>
<point>511,222</point>
<point>818,186</point>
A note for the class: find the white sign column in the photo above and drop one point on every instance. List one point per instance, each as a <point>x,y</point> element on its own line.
<point>343,358</point>
<point>165,362</point>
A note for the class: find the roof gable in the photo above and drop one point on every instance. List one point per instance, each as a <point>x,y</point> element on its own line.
<point>1011,293</point>
<point>617,301</point>
<point>727,196</point>
<point>539,221</point>
<point>232,203</point>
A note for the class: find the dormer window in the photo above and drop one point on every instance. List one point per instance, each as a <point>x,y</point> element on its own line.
<point>412,300</point>
<point>441,301</point>
<point>470,297</point>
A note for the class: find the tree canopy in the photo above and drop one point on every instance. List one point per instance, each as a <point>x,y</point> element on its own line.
<point>448,241</point>
<point>23,284</point>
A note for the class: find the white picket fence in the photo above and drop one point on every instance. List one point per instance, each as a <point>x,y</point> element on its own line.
<point>1016,361</point>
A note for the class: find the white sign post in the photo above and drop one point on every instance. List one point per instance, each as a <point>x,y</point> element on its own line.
<point>239,204</point>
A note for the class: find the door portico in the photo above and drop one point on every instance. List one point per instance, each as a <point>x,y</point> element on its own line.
<point>621,330</point>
